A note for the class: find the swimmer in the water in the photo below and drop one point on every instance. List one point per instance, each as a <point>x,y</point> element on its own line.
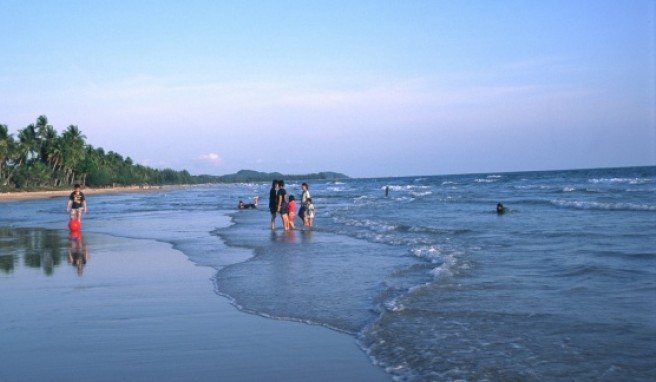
<point>500,208</point>
<point>245,206</point>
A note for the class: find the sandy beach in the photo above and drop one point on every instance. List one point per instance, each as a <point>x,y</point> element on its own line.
<point>27,195</point>
<point>140,311</point>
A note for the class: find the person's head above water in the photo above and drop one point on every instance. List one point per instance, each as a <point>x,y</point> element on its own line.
<point>500,208</point>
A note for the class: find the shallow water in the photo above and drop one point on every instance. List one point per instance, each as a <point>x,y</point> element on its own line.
<point>437,286</point>
<point>136,310</point>
<point>431,281</point>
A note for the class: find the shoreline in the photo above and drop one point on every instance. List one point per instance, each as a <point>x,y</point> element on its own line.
<point>6,197</point>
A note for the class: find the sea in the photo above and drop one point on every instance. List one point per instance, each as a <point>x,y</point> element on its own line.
<point>432,283</point>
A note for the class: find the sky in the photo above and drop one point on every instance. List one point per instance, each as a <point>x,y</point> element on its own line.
<point>365,88</point>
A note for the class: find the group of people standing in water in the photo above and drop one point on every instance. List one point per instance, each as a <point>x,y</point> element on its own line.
<point>285,205</point>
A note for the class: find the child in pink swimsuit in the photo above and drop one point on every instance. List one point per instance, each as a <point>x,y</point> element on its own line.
<point>292,211</point>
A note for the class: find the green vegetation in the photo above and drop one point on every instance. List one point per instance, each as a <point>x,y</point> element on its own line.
<point>255,176</point>
<point>39,158</point>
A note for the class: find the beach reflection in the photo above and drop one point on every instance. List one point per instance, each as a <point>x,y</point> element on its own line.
<point>32,248</point>
<point>285,236</point>
<point>78,253</point>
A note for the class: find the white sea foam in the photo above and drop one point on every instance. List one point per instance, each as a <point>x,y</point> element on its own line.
<point>584,205</point>
<point>420,194</point>
<point>448,260</point>
<point>428,252</point>
<point>441,271</point>
<point>394,305</point>
<point>406,188</point>
<point>405,199</point>
<point>621,180</point>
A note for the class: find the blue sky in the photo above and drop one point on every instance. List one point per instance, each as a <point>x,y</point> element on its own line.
<point>367,88</point>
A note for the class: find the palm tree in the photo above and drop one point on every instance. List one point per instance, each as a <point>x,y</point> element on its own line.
<point>28,144</point>
<point>55,157</point>
<point>6,149</point>
<point>45,133</point>
<point>73,145</point>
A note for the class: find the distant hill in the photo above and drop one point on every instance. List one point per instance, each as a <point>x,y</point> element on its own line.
<point>257,176</point>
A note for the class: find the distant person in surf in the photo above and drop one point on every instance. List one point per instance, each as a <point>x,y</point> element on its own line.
<point>245,206</point>
<point>501,209</point>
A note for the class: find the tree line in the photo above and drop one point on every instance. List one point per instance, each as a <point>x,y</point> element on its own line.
<point>38,157</point>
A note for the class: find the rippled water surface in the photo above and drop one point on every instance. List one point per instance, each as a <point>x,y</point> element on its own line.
<point>433,283</point>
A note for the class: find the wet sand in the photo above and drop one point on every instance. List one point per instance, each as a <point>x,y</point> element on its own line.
<point>141,311</point>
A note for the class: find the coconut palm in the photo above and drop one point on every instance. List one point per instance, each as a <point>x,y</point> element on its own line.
<point>28,144</point>
<point>6,150</point>
<point>45,134</point>
<point>73,148</point>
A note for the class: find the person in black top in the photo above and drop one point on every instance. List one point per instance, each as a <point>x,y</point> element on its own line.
<point>76,204</point>
<point>282,204</point>
<point>273,202</point>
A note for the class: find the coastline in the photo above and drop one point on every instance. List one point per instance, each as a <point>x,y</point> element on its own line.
<point>6,197</point>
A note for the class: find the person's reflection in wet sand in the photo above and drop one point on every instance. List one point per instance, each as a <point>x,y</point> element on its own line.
<point>78,253</point>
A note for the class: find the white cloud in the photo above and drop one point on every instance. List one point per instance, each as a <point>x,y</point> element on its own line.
<point>212,158</point>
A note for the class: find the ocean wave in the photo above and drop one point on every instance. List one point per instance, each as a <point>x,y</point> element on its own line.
<point>595,190</point>
<point>420,194</point>
<point>406,188</point>
<point>436,231</point>
<point>427,252</point>
<point>603,206</point>
<point>441,271</point>
<point>394,305</point>
<point>539,187</point>
<point>365,200</point>
<point>378,226</point>
<point>448,260</point>
<point>621,180</point>
<point>369,224</point>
